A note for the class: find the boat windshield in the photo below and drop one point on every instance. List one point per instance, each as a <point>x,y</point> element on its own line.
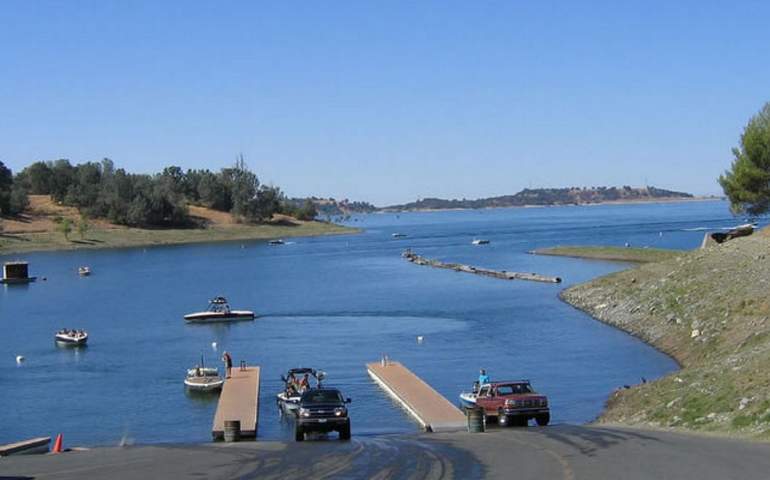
<point>514,389</point>
<point>322,396</point>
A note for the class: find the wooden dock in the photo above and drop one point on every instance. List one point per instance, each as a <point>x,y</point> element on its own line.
<point>459,267</point>
<point>239,400</point>
<point>431,410</point>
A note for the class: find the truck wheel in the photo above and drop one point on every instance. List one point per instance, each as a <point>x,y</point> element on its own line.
<point>299,433</point>
<point>543,419</point>
<point>345,432</point>
<point>502,419</point>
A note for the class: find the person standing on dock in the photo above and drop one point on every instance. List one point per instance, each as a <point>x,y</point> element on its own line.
<point>228,363</point>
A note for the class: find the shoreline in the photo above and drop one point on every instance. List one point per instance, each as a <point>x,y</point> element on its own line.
<point>634,255</point>
<point>126,237</point>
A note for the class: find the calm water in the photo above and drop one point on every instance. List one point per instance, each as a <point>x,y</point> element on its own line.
<point>333,303</point>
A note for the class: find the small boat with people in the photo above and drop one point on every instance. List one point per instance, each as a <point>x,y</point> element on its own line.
<point>399,235</point>
<point>74,338</point>
<point>219,311</point>
<point>296,382</point>
<point>277,241</point>
<point>84,271</point>
<point>203,379</point>
<point>480,241</point>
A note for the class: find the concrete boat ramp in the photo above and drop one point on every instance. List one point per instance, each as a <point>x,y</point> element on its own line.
<point>431,410</point>
<point>239,400</point>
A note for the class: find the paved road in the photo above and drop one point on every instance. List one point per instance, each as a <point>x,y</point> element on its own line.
<point>560,452</point>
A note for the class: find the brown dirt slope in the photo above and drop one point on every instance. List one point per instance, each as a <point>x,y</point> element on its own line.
<point>708,309</point>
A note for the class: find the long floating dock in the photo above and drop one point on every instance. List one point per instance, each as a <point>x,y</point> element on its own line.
<point>459,267</point>
<point>239,400</point>
<point>431,410</point>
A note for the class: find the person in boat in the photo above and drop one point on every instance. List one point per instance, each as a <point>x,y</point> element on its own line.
<point>304,384</point>
<point>228,363</point>
<point>483,377</point>
<point>292,384</point>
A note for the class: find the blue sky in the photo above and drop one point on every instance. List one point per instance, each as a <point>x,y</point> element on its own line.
<point>388,101</point>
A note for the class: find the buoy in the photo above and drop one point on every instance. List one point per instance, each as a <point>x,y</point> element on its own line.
<point>419,339</point>
<point>213,345</point>
<point>20,359</point>
<point>57,444</point>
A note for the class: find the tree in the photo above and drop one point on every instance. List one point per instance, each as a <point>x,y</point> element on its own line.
<point>65,227</point>
<point>6,184</point>
<point>38,178</point>
<point>307,211</point>
<point>747,183</point>
<point>19,200</point>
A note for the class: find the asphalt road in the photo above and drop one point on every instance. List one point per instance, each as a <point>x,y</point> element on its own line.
<point>559,452</point>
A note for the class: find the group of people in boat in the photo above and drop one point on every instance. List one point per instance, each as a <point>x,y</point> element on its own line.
<point>72,333</point>
<point>296,385</point>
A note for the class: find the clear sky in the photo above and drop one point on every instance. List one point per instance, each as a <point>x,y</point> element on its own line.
<point>388,101</point>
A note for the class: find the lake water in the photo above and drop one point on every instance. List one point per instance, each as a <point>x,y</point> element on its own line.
<point>333,303</point>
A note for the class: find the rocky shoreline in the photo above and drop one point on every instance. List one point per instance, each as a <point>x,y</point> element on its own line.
<point>707,309</point>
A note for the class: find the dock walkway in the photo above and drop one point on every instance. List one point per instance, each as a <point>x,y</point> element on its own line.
<point>239,400</point>
<point>459,267</point>
<point>434,412</point>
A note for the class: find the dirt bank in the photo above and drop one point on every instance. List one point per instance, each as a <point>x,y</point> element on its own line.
<point>709,310</point>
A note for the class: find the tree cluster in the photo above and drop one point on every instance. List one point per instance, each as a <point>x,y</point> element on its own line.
<point>161,200</point>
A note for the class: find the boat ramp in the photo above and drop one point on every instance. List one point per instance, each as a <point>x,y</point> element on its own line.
<point>239,401</point>
<point>459,267</point>
<point>431,410</point>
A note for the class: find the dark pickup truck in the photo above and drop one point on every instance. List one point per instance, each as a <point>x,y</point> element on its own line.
<point>322,410</point>
<point>513,402</point>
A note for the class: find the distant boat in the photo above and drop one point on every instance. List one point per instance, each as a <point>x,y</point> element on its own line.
<point>480,241</point>
<point>276,242</point>
<point>219,311</point>
<point>73,338</point>
<point>84,271</point>
<point>399,235</point>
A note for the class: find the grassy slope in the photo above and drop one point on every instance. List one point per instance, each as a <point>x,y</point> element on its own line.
<point>37,231</point>
<point>709,310</point>
<point>622,254</point>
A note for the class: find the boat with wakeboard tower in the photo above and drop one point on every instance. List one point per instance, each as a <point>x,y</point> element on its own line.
<point>219,311</point>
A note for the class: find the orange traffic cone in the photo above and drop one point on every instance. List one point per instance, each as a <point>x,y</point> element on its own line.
<point>57,444</point>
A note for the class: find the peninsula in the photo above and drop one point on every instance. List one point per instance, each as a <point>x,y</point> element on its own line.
<point>551,197</point>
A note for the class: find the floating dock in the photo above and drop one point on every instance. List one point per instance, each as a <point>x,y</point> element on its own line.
<point>431,410</point>
<point>239,400</point>
<point>459,267</point>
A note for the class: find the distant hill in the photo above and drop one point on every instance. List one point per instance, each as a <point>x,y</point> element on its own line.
<point>549,196</point>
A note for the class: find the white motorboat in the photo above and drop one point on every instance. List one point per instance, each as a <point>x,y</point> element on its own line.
<point>74,338</point>
<point>203,379</point>
<point>398,235</point>
<point>288,399</point>
<point>84,271</point>
<point>276,242</point>
<point>219,311</point>
<point>468,399</point>
<point>480,241</point>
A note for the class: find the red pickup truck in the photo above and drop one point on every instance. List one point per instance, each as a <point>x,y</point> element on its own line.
<point>513,402</point>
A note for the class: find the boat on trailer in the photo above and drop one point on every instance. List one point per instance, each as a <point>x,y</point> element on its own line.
<point>219,311</point>
<point>288,399</point>
<point>73,338</point>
